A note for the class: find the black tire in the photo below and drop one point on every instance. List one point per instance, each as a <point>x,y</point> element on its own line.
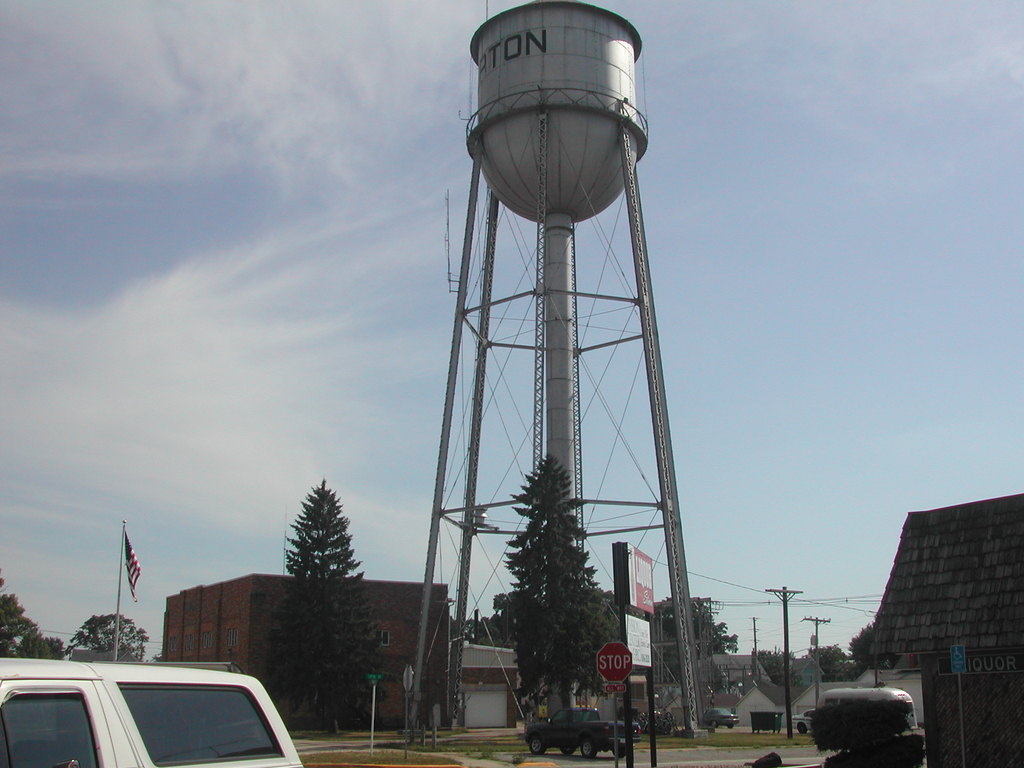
<point>730,726</point>
<point>801,727</point>
<point>567,750</point>
<point>587,748</point>
<point>536,745</point>
<point>712,723</point>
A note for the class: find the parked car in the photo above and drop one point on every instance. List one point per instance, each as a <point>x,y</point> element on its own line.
<point>718,716</point>
<point>578,728</point>
<point>802,722</point>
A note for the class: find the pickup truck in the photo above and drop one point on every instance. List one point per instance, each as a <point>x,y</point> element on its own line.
<point>577,728</point>
<point>65,714</point>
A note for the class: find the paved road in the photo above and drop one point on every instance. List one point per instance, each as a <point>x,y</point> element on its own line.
<point>706,757</point>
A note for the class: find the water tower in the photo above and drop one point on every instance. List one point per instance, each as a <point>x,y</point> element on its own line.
<point>556,135</point>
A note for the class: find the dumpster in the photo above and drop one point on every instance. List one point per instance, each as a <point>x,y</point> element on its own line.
<point>766,721</point>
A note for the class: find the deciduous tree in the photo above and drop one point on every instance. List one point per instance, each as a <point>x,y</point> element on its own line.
<point>774,665</point>
<point>862,652</point>
<point>835,664</point>
<point>97,634</point>
<point>20,636</point>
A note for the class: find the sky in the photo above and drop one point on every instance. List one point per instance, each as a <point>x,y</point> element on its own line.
<point>226,232</point>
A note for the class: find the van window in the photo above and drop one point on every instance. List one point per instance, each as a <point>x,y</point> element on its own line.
<point>46,730</point>
<point>183,724</point>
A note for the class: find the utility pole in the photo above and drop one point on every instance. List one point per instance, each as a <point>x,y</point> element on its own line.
<point>817,657</point>
<point>785,594</point>
<point>756,671</point>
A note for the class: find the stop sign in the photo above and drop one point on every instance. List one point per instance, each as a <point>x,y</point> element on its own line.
<point>614,662</point>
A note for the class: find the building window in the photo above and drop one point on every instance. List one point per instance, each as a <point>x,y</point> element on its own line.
<point>190,642</point>
<point>172,643</point>
<point>207,639</point>
<point>232,638</point>
<point>385,637</point>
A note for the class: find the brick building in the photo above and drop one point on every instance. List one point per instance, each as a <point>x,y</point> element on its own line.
<point>231,622</point>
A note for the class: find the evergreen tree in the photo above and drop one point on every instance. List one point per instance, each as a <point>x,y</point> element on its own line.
<point>324,643</point>
<point>97,634</point>
<point>559,619</point>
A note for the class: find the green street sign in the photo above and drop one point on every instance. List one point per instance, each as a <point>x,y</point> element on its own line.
<point>375,677</point>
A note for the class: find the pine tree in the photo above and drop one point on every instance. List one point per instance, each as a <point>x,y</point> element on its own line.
<point>559,618</point>
<point>324,642</point>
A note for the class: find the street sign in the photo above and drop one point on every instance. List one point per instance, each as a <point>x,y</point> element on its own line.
<point>614,687</point>
<point>957,659</point>
<point>638,638</point>
<point>614,662</point>
<point>407,676</point>
<point>375,677</point>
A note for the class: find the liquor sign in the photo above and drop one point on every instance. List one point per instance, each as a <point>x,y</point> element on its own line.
<point>963,661</point>
<point>641,579</point>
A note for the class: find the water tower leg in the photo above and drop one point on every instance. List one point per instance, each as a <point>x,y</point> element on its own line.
<point>470,511</point>
<point>668,489</point>
<point>446,428</point>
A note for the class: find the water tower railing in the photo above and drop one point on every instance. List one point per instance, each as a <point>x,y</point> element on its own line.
<point>560,98</point>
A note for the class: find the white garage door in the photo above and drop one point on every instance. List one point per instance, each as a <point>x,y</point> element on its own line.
<point>486,709</point>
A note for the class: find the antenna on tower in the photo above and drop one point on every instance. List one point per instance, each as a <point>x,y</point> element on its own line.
<point>453,280</point>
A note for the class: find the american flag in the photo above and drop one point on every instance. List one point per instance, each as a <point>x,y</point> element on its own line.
<point>131,563</point>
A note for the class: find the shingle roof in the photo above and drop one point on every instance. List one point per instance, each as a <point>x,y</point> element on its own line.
<point>777,693</point>
<point>958,578</point>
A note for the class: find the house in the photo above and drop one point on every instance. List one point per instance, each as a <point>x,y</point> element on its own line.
<point>954,600</point>
<point>736,672</point>
<point>767,697</point>
<point>805,670</point>
<point>489,681</point>
<point>231,621</point>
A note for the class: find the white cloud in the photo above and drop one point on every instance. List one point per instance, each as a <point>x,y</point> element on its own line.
<point>210,379</point>
<point>123,89</point>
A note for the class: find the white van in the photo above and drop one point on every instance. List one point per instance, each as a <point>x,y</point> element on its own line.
<point>841,695</point>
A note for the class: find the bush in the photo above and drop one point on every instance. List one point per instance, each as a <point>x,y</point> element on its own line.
<point>901,752</point>
<point>867,735</point>
<point>858,724</point>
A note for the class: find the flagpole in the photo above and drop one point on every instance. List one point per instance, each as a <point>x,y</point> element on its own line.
<point>117,614</point>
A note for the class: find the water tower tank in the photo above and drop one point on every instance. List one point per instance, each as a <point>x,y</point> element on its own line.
<point>574,62</point>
